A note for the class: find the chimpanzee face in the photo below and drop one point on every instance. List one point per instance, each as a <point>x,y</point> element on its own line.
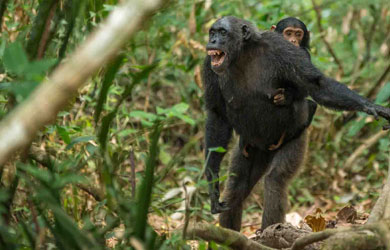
<point>225,41</point>
<point>217,47</point>
<point>293,35</point>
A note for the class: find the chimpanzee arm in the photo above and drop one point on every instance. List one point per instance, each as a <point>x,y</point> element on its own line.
<point>335,95</point>
<point>218,133</point>
<point>324,90</point>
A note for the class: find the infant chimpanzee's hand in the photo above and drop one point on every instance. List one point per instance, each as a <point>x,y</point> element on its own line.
<point>279,97</point>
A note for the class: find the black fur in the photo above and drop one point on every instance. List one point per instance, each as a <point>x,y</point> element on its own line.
<point>236,96</point>
<point>289,92</point>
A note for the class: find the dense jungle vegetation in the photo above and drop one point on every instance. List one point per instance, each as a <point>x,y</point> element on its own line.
<point>122,164</point>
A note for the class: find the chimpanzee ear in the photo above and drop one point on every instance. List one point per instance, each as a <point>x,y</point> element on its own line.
<point>246,33</point>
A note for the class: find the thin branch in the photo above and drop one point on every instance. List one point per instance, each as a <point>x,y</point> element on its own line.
<point>187,211</point>
<point>370,35</point>
<point>21,125</point>
<point>379,84</point>
<point>220,235</point>
<point>132,178</point>
<point>46,34</point>
<point>40,24</point>
<point>71,10</point>
<point>322,34</point>
<point>365,145</point>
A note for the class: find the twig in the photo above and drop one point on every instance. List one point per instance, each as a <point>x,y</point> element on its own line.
<point>40,21</point>
<point>69,8</point>
<point>379,84</point>
<point>46,32</point>
<point>368,36</point>
<point>224,236</point>
<point>365,145</point>
<point>322,34</point>
<point>132,178</point>
<point>187,211</point>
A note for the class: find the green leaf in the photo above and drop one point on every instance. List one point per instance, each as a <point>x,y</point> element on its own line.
<point>35,71</point>
<point>161,111</point>
<point>66,230</point>
<point>145,191</point>
<point>181,107</point>
<point>107,82</point>
<point>186,119</point>
<point>383,94</point>
<point>164,156</point>
<point>22,89</point>
<point>15,58</point>
<point>217,149</point>
<point>143,115</point>
<point>127,132</point>
<point>103,133</point>
<point>63,134</point>
<point>68,179</point>
<point>79,139</point>
<point>144,73</point>
<point>40,174</point>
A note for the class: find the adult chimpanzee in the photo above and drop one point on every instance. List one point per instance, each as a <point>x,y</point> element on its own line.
<point>242,67</point>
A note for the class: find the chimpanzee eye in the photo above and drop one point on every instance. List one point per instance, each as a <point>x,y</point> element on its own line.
<point>223,32</point>
<point>212,32</point>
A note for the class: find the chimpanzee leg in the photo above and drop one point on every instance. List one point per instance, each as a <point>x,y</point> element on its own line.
<point>284,165</point>
<point>243,175</point>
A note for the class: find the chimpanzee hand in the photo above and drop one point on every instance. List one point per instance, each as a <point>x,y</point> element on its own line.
<point>279,97</point>
<point>376,111</point>
<point>218,207</point>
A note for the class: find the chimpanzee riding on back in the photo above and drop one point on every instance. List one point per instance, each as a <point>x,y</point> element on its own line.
<point>242,67</point>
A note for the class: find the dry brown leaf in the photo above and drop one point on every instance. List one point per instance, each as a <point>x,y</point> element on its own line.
<point>347,214</point>
<point>316,222</point>
<point>198,77</point>
<point>196,45</point>
<point>192,21</point>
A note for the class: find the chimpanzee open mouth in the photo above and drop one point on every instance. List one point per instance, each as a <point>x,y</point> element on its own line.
<point>217,57</point>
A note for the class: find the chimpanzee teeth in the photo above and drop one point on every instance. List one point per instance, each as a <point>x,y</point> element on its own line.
<point>214,52</point>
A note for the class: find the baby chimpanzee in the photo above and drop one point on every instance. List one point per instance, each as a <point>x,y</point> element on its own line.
<point>294,31</point>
